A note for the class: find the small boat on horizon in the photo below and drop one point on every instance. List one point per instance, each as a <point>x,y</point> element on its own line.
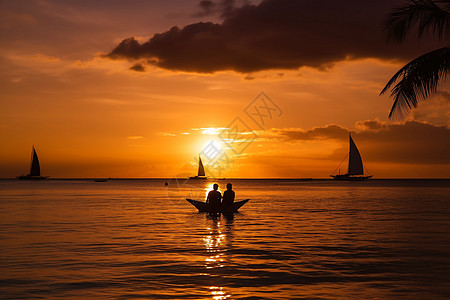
<point>201,170</point>
<point>35,169</point>
<point>101,180</point>
<point>355,170</point>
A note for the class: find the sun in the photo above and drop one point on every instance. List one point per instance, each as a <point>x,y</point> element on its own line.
<point>211,150</point>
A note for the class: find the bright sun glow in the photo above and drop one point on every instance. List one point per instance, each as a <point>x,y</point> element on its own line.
<point>211,150</point>
<point>212,130</point>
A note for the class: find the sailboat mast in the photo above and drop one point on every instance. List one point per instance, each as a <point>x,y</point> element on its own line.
<point>31,159</point>
<point>349,151</point>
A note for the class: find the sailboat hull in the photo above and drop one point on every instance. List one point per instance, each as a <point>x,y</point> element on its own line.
<point>197,177</point>
<point>29,177</point>
<point>204,207</point>
<point>347,177</point>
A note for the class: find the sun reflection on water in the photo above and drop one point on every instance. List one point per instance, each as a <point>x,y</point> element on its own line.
<point>218,293</point>
<point>215,244</point>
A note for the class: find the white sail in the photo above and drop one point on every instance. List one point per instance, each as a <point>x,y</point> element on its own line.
<point>355,165</point>
<point>201,170</point>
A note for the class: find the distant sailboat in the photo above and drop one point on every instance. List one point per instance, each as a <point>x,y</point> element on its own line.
<point>35,169</point>
<point>355,165</point>
<point>201,170</point>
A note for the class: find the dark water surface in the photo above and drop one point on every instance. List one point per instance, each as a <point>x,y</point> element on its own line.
<point>137,239</point>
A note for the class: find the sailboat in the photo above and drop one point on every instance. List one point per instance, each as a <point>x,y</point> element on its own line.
<point>355,166</point>
<point>35,169</point>
<point>201,170</point>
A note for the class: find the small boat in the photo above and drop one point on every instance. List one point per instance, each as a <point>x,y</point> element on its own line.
<point>355,166</point>
<point>204,207</point>
<point>35,169</point>
<point>201,170</point>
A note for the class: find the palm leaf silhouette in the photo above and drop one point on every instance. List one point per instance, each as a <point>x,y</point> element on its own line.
<point>418,79</point>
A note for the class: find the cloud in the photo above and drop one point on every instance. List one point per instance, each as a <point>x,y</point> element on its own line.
<point>411,142</point>
<point>168,134</point>
<point>138,67</point>
<point>436,111</point>
<point>206,8</point>
<point>223,8</point>
<point>329,132</point>
<point>371,125</point>
<point>45,58</point>
<point>275,34</point>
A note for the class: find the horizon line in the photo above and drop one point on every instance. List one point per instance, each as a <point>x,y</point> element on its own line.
<point>227,178</point>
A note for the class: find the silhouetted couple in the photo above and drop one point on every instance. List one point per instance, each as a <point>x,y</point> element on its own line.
<point>214,199</point>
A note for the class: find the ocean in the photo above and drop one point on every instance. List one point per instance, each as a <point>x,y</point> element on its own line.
<point>140,239</point>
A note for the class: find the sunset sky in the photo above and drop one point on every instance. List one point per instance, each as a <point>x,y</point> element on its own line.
<point>138,88</point>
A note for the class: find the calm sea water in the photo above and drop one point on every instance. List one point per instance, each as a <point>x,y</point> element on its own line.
<point>138,239</point>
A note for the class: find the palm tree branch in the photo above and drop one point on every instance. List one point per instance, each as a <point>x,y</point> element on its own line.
<point>428,15</point>
<point>417,80</point>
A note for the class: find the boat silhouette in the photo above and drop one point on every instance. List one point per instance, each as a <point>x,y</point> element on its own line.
<point>205,207</point>
<point>35,169</point>
<point>201,170</point>
<point>355,170</point>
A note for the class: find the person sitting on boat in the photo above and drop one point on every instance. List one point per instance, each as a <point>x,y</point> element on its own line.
<point>228,199</point>
<point>213,199</point>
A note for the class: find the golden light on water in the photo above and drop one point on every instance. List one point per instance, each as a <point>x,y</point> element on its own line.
<point>218,293</point>
<point>215,243</point>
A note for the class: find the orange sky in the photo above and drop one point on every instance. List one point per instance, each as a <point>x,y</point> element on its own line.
<point>92,116</point>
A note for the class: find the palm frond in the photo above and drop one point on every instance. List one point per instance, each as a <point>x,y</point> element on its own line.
<point>427,15</point>
<point>417,80</point>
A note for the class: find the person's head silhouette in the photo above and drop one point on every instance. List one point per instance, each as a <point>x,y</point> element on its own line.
<point>215,186</point>
<point>229,186</point>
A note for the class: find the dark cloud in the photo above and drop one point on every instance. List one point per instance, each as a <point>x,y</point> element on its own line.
<point>283,34</point>
<point>138,67</point>
<point>328,132</point>
<point>227,7</point>
<point>370,125</point>
<point>206,6</point>
<point>411,142</point>
<point>223,8</point>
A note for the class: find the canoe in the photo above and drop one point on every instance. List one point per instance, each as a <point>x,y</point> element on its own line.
<point>204,207</point>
